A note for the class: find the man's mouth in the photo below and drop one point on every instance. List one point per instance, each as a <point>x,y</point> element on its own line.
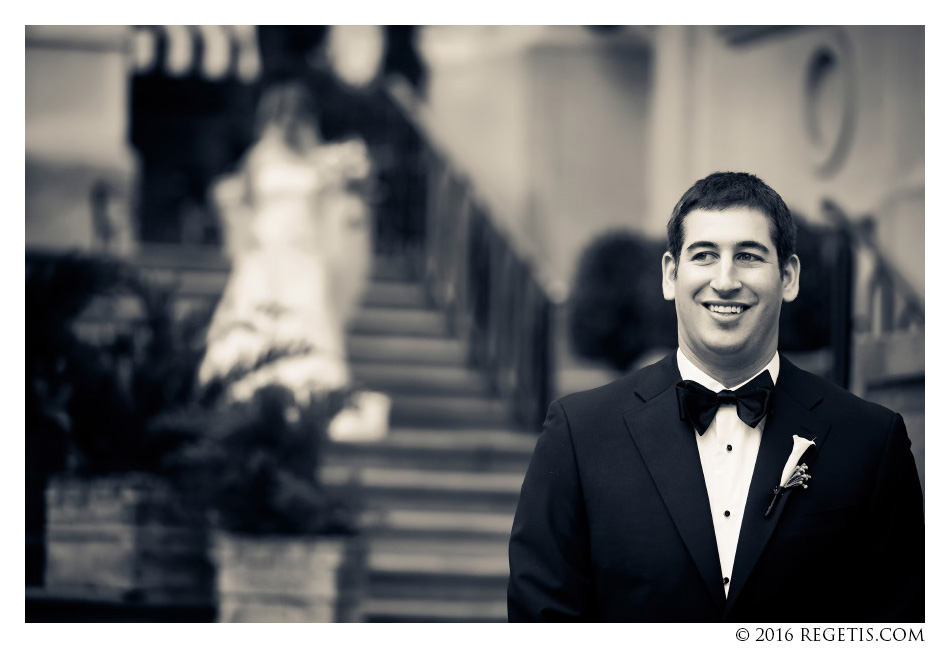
<point>726,309</point>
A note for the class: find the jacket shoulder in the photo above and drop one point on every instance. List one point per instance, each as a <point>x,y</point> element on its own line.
<point>827,399</point>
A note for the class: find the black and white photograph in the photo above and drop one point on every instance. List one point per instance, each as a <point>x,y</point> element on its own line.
<point>477,324</point>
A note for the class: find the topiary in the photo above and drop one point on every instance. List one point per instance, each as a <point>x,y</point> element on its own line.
<point>616,310</point>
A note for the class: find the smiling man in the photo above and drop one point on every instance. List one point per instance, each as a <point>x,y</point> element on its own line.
<point>722,483</point>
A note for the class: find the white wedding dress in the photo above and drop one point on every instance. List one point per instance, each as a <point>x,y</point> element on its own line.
<point>299,245</point>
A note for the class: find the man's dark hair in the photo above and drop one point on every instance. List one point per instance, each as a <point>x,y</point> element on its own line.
<point>722,190</point>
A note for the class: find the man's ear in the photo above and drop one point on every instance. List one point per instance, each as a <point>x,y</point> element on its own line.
<point>669,276</point>
<point>793,269</point>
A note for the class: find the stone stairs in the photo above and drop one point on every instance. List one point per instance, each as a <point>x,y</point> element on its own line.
<point>441,489</point>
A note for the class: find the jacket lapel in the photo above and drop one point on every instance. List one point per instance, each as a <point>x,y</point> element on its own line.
<point>668,448</point>
<point>795,400</point>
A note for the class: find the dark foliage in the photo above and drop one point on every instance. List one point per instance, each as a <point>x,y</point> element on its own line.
<point>58,289</point>
<point>257,465</point>
<point>89,404</point>
<point>132,404</point>
<point>805,324</point>
<point>616,310</point>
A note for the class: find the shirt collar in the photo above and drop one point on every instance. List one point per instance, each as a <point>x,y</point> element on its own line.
<point>689,371</point>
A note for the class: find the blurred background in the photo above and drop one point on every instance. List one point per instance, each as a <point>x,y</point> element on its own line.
<point>523,177</point>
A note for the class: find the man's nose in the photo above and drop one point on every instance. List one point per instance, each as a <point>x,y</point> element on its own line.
<point>726,279</point>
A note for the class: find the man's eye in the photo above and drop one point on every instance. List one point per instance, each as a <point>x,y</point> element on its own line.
<point>703,257</point>
<point>746,257</point>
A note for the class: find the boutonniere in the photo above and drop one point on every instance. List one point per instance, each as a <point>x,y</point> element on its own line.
<point>794,473</point>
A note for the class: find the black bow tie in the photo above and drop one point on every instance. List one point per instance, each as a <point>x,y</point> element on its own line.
<point>699,405</point>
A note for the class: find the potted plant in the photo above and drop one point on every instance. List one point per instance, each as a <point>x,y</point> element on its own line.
<point>285,545</point>
<point>58,288</point>
<point>117,525</point>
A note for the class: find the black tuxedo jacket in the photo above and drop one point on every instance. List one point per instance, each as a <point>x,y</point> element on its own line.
<point>614,522</point>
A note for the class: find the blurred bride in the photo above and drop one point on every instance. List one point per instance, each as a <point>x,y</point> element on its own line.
<point>297,232</point>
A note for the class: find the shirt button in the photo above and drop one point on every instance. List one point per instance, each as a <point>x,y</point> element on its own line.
<point>729,448</point>
<point>727,513</point>
<point>725,580</point>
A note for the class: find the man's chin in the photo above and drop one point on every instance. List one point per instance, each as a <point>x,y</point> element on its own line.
<point>724,351</point>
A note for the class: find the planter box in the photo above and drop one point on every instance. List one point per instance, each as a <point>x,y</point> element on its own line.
<point>125,538</point>
<point>289,579</point>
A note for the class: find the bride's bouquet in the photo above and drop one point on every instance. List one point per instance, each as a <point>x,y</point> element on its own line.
<point>345,164</point>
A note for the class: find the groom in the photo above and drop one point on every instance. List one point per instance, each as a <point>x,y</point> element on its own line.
<point>656,497</point>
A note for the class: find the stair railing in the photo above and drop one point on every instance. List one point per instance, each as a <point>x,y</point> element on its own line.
<point>886,300</point>
<point>491,298</point>
<point>879,299</point>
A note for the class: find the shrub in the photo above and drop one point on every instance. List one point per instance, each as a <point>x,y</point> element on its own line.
<point>133,404</point>
<point>257,464</point>
<point>98,399</point>
<point>805,324</point>
<point>616,310</point>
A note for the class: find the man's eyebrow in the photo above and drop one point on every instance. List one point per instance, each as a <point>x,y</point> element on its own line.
<point>701,244</point>
<point>755,245</point>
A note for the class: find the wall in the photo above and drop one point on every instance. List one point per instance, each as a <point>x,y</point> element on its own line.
<point>588,109</point>
<point>476,112</point>
<point>550,123</point>
<point>76,130</point>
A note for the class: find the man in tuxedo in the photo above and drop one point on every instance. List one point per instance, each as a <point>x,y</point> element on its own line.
<point>658,498</point>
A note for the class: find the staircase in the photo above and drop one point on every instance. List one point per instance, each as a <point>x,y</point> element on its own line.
<point>441,489</point>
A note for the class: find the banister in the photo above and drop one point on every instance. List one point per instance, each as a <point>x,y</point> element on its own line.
<point>491,297</point>
<point>885,281</point>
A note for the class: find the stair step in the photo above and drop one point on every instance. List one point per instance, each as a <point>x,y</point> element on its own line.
<point>439,448</point>
<point>503,483</point>
<point>430,379</point>
<point>449,411</point>
<point>458,548</point>
<point>458,587</point>
<point>405,349</point>
<point>438,564</point>
<point>392,268</point>
<point>422,440</point>
<point>473,583</point>
<point>383,312</point>
<point>378,500</point>
<point>210,283</point>
<point>385,488</point>
<point>446,526</point>
<point>181,257</point>
<point>395,294</point>
<point>377,609</point>
<point>480,523</point>
<point>512,440</point>
<point>399,321</point>
<point>204,272</point>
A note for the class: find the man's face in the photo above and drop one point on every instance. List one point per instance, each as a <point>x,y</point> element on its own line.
<point>728,288</point>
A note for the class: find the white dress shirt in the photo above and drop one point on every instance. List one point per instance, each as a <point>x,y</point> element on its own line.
<point>727,452</point>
